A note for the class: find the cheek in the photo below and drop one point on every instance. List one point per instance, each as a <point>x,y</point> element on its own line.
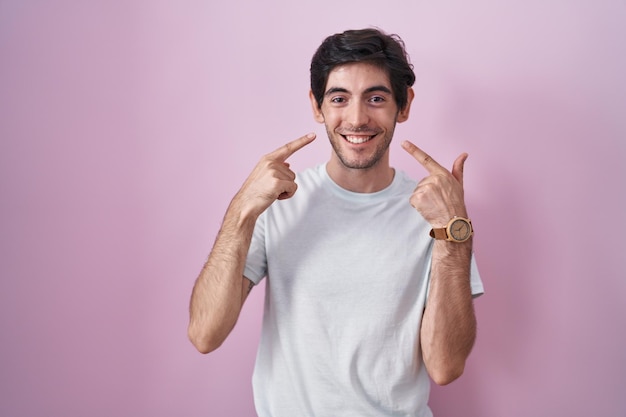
<point>331,119</point>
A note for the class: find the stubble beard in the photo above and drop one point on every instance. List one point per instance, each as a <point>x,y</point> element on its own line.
<point>359,163</point>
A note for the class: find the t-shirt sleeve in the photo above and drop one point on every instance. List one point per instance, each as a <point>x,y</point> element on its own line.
<point>475,281</point>
<point>256,261</point>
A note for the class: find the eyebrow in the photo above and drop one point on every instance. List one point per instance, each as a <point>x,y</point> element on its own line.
<point>379,88</point>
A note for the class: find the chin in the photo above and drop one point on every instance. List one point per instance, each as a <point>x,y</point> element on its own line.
<point>357,163</point>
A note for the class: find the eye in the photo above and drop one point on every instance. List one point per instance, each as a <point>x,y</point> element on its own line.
<point>377,99</point>
<point>338,100</point>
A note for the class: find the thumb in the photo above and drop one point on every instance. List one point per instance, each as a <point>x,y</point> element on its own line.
<point>457,168</point>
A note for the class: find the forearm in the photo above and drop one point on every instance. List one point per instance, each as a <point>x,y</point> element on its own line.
<point>219,293</point>
<point>449,324</point>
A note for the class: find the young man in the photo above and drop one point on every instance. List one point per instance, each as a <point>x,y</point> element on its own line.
<point>370,276</point>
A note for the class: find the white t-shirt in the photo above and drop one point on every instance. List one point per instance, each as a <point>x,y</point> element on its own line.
<point>348,276</point>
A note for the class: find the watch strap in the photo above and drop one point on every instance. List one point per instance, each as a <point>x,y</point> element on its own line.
<point>439,233</point>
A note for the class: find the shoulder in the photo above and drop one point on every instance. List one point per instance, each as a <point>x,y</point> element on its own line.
<point>312,178</point>
<point>403,184</point>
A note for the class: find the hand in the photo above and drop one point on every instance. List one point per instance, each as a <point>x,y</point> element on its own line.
<point>439,196</point>
<point>272,179</point>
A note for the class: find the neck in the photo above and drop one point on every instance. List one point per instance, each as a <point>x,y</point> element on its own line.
<point>366,180</point>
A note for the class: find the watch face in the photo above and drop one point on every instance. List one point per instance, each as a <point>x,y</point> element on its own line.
<point>460,230</point>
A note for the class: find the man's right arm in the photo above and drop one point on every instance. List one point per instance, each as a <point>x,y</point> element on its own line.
<point>221,289</point>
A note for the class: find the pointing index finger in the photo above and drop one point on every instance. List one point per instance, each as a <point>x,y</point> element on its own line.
<point>422,157</point>
<point>290,148</point>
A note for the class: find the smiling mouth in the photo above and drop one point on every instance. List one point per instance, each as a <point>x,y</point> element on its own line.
<point>357,139</point>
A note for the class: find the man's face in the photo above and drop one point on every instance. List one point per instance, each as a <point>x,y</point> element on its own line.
<point>360,114</point>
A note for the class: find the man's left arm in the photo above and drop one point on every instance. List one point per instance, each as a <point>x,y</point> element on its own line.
<point>449,324</point>
<point>448,327</point>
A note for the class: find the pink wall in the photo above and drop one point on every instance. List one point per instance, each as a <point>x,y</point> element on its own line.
<point>126,126</point>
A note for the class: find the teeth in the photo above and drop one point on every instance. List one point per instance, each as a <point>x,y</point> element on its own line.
<point>358,139</point>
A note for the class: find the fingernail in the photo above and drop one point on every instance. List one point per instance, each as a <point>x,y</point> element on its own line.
<point>310,135</point>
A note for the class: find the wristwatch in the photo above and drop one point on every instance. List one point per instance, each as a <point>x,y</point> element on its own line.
<point>459,229</point>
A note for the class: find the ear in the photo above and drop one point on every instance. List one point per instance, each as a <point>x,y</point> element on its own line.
<point>403,115</point>
<point>317,112</point>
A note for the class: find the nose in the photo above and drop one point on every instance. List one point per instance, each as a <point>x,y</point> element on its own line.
<point>357,114</point>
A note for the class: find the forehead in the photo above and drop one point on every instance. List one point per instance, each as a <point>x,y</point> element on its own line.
<point>357,76</point>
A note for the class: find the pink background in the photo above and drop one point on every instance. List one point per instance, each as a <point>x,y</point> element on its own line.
<point>127,126</point>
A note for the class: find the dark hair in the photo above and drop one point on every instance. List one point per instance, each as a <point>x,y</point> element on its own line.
<point>365,45</point>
